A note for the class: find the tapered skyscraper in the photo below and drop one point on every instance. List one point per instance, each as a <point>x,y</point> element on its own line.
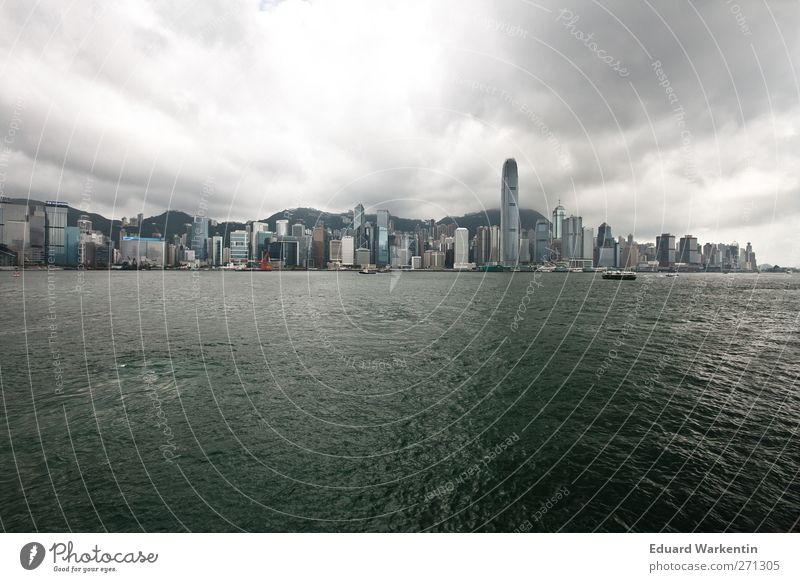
<point>509,214</point>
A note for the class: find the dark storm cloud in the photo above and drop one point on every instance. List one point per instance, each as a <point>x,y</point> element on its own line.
<point>678,116</point>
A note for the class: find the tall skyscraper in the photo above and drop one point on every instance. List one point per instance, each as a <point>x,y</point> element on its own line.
<point>318,246</point>
<point>348,250</point>
<point>665,250</point>
<point>572,238</point>
<point>56,223</point>
<point>461,240</point>
<point>358,216</point>
<point>509,213</point>
<point>382,255</point>
<point>282,228</point>
<point>199,237</point>
<point>558,221</point>
<point>541,243</point>
<point>688,250</point>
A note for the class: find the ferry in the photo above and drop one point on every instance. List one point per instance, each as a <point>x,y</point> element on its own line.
<point>620,275</point>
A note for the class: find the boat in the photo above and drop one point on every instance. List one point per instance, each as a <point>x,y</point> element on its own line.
<point>368,270</point>
<point>620,275</point>
<point>672,274</point>
<point>16,274</point>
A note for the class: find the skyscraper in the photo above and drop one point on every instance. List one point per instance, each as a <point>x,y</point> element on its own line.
<point>382,255</point>
<point>282,227</point>
<point>665,250</point>
<point>558,221</point>
<point>509,214</point>
<point>572,238</point>
<point>56,222</point>
<point>461,239</point>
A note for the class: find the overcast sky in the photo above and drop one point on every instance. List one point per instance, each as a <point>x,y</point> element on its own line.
<point>256,106</point>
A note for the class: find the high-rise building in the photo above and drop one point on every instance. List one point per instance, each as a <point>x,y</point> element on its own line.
<point>217,244</point>
<point>56,223</point>
<point>382,255</point>
<point>358,216</point>
<point>257,239</point>
<point>318,246</point>
<point>461,250</point>
<point>572,238</point>
<point>541,242</point>
<point>494,244</point>
<point>335,251</point>
<point>282,227</point>
<point>199,239</point>
<point>298,230</point>
<point>362,256</point>
<point>688,251</point>
<point>239,246</point>
<point>665,250</point>
<point>348,250</point>
<point>558,220</point>
<point>138,250</point>
<point>509,213</point>
<point>587,238</point>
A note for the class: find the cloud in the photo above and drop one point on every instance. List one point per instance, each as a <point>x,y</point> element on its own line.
<point>413,105</point>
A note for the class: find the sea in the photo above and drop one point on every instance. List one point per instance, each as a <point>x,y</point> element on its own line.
<point>315,401</point>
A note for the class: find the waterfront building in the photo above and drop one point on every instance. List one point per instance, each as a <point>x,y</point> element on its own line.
<point>362,256</point>
<point>282,228</point>
<point>665,250</point>
<point>319,250</point>
<point>461,250</point>
<point>689,251</point>
<point>416,262</point>
<point>199,239</point>
<point>55,223</point>
<point>509,213</point>
<point>572,238</point>
<point>558,221</point>
<point>348,250</point>
<point>541,241</point>
<point>260,235</point>
<point>298,230</point>
<point>239,247</point>
<point>216,256</point>
<point>382,255</point>
<point>335,251</point>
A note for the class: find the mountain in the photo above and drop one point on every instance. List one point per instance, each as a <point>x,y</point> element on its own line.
<point>173,222</point>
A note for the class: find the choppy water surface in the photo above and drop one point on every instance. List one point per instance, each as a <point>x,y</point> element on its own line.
<point>320,401</point>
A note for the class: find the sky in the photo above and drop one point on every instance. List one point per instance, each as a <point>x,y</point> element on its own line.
<point>652,116</point>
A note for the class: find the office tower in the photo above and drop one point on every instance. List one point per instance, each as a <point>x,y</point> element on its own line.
<point>482,245</point>
<point>217,245</point>
<point>587,252</point>
<point>362,257</point>
<point>416,262</point>
<point>688,250</point>
<point>348,250</point>
<point>558,221</point>
<point>382,255</point>
<point>494,244</point>
<point>358,216</point>
<point>140,220</point>
<point>607,249</point>
<point>257,239</point>
<point>298,230</point>
<point>733,256</point>
<point>282,228</point>
<point>239,246</point>
<point>541,242</point>
<point>665,250</point>
<point>572,238</point>
<point>709,255</point>
<point>318,246</point>
<point>16,229</point>
<point>55,223</point>
<point>604,236</point>
<point>335,251</point>
<point>72,235</point>
<point>84,223</point>
<point>199,240</point>
<point>461,250</point>
<point>509,214</point>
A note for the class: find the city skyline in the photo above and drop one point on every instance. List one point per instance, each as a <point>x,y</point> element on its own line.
<point>671,145</point>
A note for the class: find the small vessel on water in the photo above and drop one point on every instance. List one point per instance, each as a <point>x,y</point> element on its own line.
<point>368,270</point>
<point>672,274</point>
<point>16,273</point>
<point>620,275</point>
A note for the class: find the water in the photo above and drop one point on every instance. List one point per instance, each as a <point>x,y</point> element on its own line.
<point>317,401</point>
